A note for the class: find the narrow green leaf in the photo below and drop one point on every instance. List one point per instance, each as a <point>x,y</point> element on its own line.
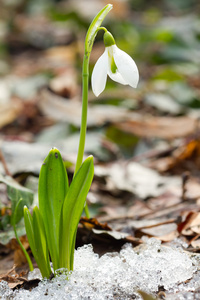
<point>73,249</point>
<point>52,189</point>
<point>35,235</point>
<point>41,244</point>
<point>72,210</point>
<point>96,23</point>
<point>17,237</point>
<point>28,220</point>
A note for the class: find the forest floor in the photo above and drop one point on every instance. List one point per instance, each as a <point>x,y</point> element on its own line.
<point>145,141</point>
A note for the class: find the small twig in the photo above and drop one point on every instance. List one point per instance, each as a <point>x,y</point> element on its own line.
<point>185,178</point>
<point>3,161</point>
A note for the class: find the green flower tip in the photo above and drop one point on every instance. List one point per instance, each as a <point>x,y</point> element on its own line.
<point>108,39</point>
<point>110,6</point>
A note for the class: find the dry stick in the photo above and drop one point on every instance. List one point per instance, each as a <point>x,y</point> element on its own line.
<point>185,178</point>
<point>3,161</point>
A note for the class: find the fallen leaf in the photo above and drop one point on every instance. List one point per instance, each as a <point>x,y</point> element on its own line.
<point>15,281</point>
<point>10,111</point>
<point>65,84</point>
<point>163,103</point>
<point>115,234</point>
<point>19,257</point>
<point>184,154</point>
<point>22,157</point>
<point>161,127</point>
<point>93,223</point>
<point>191,225</point>
<point>15,192</point>
<point>195,243</point>
<point>169,237</point>
<point>192,188</point>
<point>146,296</point>
<point>180,159</point>
<point>164,230</point>
<point>62,53</point>
<point>61,110</point>
<point>135,178</point>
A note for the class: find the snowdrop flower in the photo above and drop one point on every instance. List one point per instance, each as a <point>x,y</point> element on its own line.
<point>115,63</point>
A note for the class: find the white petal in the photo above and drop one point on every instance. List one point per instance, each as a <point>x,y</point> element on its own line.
<point>99,74</point>
<point>116,77</point>
<point>126,66</point>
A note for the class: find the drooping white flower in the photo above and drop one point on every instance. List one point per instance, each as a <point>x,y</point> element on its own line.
<point>115,63</point>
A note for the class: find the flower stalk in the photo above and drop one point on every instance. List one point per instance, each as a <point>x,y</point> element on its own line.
<point>89,40</point>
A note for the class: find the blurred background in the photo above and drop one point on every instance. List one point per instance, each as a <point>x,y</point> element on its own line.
<point>157,124</point>
<point>41,51</point>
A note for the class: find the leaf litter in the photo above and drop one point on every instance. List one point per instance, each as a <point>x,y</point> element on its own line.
<point>147,191</point>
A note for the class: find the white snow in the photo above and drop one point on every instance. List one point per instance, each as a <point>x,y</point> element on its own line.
<point>117,275</point>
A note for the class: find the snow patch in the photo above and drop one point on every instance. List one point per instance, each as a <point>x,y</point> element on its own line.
<point>148,267</point>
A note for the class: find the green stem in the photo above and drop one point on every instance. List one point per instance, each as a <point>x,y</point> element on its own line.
<point>83,129</point>
<point>23,249</point>
<point>89,40</point>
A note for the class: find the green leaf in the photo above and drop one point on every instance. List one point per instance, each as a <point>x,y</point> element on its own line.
<point>16,192</point>
<point>17,237</point>
<point>72,210</point>
<point>28,220</point>
<point>52,190</point>
<point>41,244</point>
<point>36,238</point>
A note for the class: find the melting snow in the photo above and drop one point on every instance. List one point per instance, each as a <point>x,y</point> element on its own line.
<point>117,275</point>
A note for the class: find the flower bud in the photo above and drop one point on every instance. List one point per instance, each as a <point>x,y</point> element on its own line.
<point>108,39</point>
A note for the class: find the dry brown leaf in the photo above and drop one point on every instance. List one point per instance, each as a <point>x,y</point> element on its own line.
<point>192,189</point>
<point>195,243</point>
<point>6,263</point>
<point>59,109</point>
<point>10,111</point>
<point>15,281</point>
<point>146,296</point>
<point>93,223</point>
<point>169,237</point>
<point>136,178</point>
<point>19,257</point>
<point>182,158</point>
<point>62,53</point>
<point>161,127</point>
<point>168,199</point>
<point>12,278</point>
<point>65,84</point>
<point>191,225</point>
<point>165,232</point>
<point>188,152</point>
